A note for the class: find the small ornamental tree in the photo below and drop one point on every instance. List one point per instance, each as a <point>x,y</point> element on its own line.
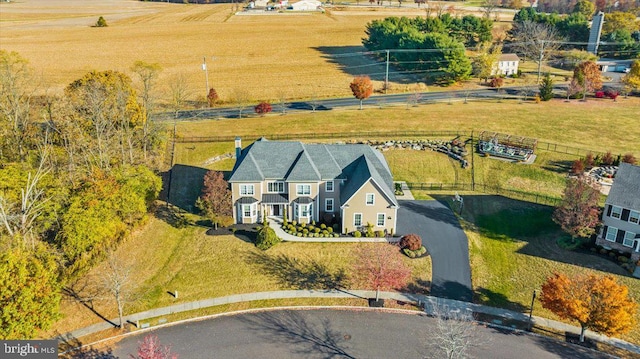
<point>212,97</point>
<point>578,212</point>
<point>496,82</point>
<point>262,108</point>
<point>589,160</point>
<point>151,348</point>
<point>629,158</point>
<point>101,22</point>
<point>577,168</point>
<point>632,79</point>
<point>596,302</point>
<point>266,237</point>
<point>379,266</point>
<point>215,201</point>
<point>546,88</point>
<point>608,159</point>
<point>362,88</point>
<point>411,241</point>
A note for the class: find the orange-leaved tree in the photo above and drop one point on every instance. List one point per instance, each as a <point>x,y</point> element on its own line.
<point>589,76</point>
<point>379,266</point>
<point>596,302</point>
<point>362,88</point>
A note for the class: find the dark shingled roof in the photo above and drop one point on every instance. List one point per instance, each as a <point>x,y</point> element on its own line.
<point>625,191</point>
<point>247,200</point>
<point>298,162</point>
<point>275,198</point>
<point>303,200</point>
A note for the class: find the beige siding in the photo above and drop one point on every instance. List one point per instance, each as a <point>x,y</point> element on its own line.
<point>357,204</point>
<point>235,195</point>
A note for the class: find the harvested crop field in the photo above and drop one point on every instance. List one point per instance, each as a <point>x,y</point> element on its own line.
<point>268,57</point>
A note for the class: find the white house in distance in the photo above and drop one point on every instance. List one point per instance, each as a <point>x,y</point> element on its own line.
<point>507,65</point>
<point>306,5</point>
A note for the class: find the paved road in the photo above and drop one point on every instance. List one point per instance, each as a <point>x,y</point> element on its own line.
<point>445,240</point>
<point>338,334</point>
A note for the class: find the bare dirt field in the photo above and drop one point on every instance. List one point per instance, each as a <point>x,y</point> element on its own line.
<point>295,56</point>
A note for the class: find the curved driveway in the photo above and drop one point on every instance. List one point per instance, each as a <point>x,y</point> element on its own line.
<point>325,333</point>
<point>446,242</point>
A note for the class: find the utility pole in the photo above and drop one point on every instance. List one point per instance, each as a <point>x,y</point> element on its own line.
<point>206,74</point>
<point>473,173</point>
<point>386,75</point>
<point>540,59</point>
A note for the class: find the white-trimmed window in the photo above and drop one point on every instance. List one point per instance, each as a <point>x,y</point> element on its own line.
<point>305,210</point>
<point>248,210</point>
<point>380,219</point>
<point>303,189</point>
<point>612,232</point>
<point>634,217</point>
<point>246,190</point>
<point>275,187</point>
<point>629,238</point>
<point>328,186</point>
<point>370,199</point>
<point>328,204</point>
<point>357,219</point>
<point>616,211</point>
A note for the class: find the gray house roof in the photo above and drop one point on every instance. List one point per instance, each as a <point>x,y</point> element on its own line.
<point>625,191</point>
<point>298,162</point>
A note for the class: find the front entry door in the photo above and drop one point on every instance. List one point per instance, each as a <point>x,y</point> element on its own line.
<point>276,210</point>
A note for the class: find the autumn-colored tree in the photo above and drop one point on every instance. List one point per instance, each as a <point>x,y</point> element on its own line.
<point>379,266</point>
<point>263,108</point>
<point>589,76</point>
<point>578,212</point>
<point>485,63</point>
<point>629,158</point>
<point>632,79</point>
<point>577,168</point>
<point>212,97</point>
<point>30,294</point>
<point>589,160</point>
<point>608,159</point>
<point>151,348</point>
<point>215,200</point>
<point>496,82</point>
<point>585,7</point>
<point>362,88</point>
<point>598,303</point>
<point>411,241</point>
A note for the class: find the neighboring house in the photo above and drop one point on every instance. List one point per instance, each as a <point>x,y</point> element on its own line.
<point>348,184</point>
<point>621,216</point>
<point>306,5</point>
<point>507,65</point>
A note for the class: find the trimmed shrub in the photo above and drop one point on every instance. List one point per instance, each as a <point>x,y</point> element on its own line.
<point>357,234</point>
<point>336,235</point>
<point>623,259</point>
<point>299,234</point>
<point>379,234</point>
<point>603,251</point>
<point>316,230</point>
<point>325,232</point>
<point>323,226</point>
<point>422,251</point>
<point>305,231</point>
<point>267,238</point>
<point>411,241</point>
<point>329,229</point>
<point>101,22</point>
<point>409,253</point>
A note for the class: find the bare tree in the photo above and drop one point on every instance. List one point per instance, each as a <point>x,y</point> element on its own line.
<point>147,74</point>
<point>489,7</point>
<point>282,101</point>
<point>536,41</point>
<point>180,91</point>
<point>455,332</point>
<point>116,281</point>
<point>242,99</point>
<point>19,219</point>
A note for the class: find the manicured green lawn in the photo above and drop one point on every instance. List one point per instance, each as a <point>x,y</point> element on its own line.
<point>513,250</point>
<point>162,258</point>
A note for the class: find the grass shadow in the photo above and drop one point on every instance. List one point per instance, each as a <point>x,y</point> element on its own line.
<point>306,337</point>
<point>418,286</point>
<point>297,273</point>
<point>562,167</point>
<point>490,298</point>
<point>354,61</point>
<point>182,186</point>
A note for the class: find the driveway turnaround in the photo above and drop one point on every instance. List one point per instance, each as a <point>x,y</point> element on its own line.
<point>446,242</point>
<point>326,333</point>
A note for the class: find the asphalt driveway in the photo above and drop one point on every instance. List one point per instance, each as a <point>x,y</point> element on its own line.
<point>446,242</point>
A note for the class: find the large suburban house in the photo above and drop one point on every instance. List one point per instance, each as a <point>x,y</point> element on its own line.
<point>348,184</point>
<point>507,65</point>
<point>621,215</point>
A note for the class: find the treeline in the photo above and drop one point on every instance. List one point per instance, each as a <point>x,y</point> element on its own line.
<point>76,175</point>
<point>620,31</point>
<point>433,45</point>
